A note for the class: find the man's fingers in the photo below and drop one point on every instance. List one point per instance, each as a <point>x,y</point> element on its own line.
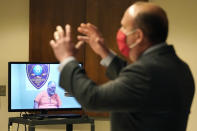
<point>56,35</point>
<point>52,43</point>
<point>68,31</point>
<point>83,25</point>
<point>92,26</point>
<point>83,38</point>
<point>86,29</point>
<point>60,31</point>
<point>79,44</point>
<point>89,30</point>
<point>83,30</point>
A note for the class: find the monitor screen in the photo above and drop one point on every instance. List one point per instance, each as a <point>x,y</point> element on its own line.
<point>35,86</point>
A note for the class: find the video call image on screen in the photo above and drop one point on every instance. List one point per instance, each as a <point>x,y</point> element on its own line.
<point>36,86</point>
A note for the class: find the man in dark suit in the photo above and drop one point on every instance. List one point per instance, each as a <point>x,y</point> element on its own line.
<point>154,93</point>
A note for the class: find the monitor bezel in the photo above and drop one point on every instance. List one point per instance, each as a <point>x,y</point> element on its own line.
<point>32,110</point>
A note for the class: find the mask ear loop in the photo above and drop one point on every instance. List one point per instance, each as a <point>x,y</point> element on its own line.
<point>133,45</point>
<point>129,33</point>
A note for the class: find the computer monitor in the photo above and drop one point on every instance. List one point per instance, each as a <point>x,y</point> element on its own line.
<point>34,86</point>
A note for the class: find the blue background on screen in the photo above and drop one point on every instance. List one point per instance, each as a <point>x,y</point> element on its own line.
<point>23,92</point>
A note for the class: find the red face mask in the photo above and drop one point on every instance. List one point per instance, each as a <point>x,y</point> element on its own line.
<point>122,44</point>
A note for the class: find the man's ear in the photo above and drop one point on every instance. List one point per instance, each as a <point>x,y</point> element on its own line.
<point>139,36</point>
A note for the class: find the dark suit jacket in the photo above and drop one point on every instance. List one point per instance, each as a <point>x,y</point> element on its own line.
<point>153,94</point>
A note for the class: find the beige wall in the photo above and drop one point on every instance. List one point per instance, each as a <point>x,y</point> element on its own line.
<point>14,39</point>
<point>14,46</point>
<point>183,35</point>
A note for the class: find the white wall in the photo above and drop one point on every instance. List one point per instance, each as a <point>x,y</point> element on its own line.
<point>183,35</point>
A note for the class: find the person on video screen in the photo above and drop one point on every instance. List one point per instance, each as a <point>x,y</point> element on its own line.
<point>48,98</point>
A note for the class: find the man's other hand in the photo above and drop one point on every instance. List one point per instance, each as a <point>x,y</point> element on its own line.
<point>94,38</point>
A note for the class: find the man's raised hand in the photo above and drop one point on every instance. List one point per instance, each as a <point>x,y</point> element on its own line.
<point>62,44</point>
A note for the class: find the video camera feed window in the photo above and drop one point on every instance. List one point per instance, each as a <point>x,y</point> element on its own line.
<point>36,86</point>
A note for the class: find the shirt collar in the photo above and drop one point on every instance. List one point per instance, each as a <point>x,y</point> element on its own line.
<point>154,47</point>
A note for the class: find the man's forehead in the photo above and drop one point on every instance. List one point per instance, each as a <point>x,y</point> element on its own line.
<point>141,7</point>
<point>127,19</point>
<point>131,11</point>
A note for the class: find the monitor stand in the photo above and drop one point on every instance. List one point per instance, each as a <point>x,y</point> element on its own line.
<point>32,123</point>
